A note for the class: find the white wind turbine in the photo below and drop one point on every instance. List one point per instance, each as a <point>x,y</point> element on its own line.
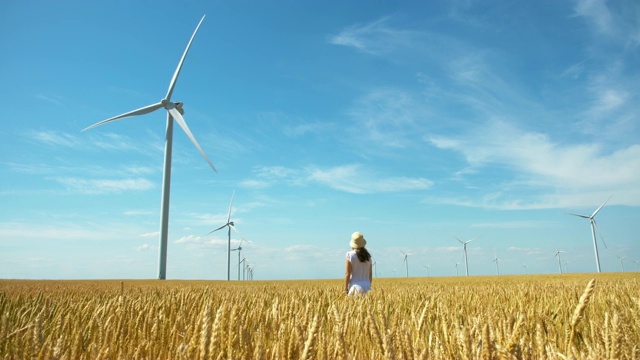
<point>525,268</point>
<point>239,250</point>
<point>230,225</point>
<point>594,225</point>
<point>427,267</point>
<point>496,260</point>
<point>636,262</point>
<point>405,261</point>
<point>457,263</point>
<point>464,247</point>
<point>557,255</point>
<point>621,264</point>
<point>174,112</point>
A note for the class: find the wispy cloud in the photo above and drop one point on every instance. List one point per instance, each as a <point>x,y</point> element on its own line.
<point>617,21</point>
<point>97,186</point>
<point>54,138</point>
<point>375,37</point>
<point>357,180</point>
<point>146,247</point>
<point>55,100</point>
<point>353,178</point>
<point>539,162</point>
<point>386,117</point>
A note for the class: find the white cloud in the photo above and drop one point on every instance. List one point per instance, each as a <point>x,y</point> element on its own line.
<point>146,247</point>
<point>85,186</point>
<point>544,162</point>
<point>54,138</point>
<point>597,12</point>
<point>355,179</point>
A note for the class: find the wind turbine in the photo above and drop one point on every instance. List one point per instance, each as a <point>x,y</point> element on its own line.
<point>636,262</point>
<point>566,268</point>
<point>174,112</point>
<point>594,225</point>
<point>464,247</point>
<point>525,268</point>
<point>405,261</point>
<point>496,260</point>
<point>239,250</point>
<point>457,269</point>
<point>375,268</point>
<point>244,268</point>
<point>230,225</point>
<point>427,267</point>
<point>559,261</point>
<point>621,264</point>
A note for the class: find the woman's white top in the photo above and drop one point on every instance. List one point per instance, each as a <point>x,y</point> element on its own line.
<point>360,271</point>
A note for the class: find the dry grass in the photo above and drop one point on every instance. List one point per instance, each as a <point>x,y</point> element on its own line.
<point>506,317</point>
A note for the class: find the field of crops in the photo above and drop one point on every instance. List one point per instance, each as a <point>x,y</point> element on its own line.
<point>586,316</point>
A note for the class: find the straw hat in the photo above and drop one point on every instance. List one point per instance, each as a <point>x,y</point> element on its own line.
<point>357,240</point>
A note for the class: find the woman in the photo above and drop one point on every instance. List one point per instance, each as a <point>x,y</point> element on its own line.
<point>357,279</point>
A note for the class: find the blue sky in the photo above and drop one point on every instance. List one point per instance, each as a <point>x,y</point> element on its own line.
<point>412,122</point>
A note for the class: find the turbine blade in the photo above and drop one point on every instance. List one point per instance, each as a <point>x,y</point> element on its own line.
<point>460,241</point>
<point>180,120</point>
<point>598,209</point>
<point>219,228</point>
<point>230,204</point>
<point>599,233</point>
<point>238,232</point>
<point>141,111</point>
<point>578,215</point>
<point>174,79</point>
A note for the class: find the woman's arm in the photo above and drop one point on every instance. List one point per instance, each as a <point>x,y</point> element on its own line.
<point>347,277</point>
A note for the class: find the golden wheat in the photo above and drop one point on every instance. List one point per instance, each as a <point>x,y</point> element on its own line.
<point>510,317</point>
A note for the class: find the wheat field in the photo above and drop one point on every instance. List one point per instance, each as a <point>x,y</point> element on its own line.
<point>585,316</point>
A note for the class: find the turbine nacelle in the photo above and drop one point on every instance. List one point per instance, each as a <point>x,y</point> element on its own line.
<point>169,105</point>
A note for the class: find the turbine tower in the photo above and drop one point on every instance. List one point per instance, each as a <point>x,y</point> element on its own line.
<point>427,267</point>
<point>594,225</point>
<point>230,225</point>
<point>174,112</point>
<point>525,268</point>
<point>464,247</point>
<point>557,255</point>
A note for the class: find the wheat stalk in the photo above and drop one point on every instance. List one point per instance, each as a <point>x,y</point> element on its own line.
<point>579,311</point>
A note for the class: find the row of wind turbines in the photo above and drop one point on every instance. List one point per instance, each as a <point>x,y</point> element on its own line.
<point>174,113</point>
<point>496,260</point>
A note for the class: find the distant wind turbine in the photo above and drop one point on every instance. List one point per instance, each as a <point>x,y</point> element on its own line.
<point>525,268</point>
<point>375,268</point>
<point>594,225</point>
<point>457,269</point>
<point>496,260</point>
<point>239,250</point>
<point>621,264</point>
<point>427,267</point>
<point>230,225</point>
<point>566,271</point>
<point>405,261</point>
<point>174,112</point>
<point>636,262</point>
<point>464,247</point>
<point>557,255</point>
